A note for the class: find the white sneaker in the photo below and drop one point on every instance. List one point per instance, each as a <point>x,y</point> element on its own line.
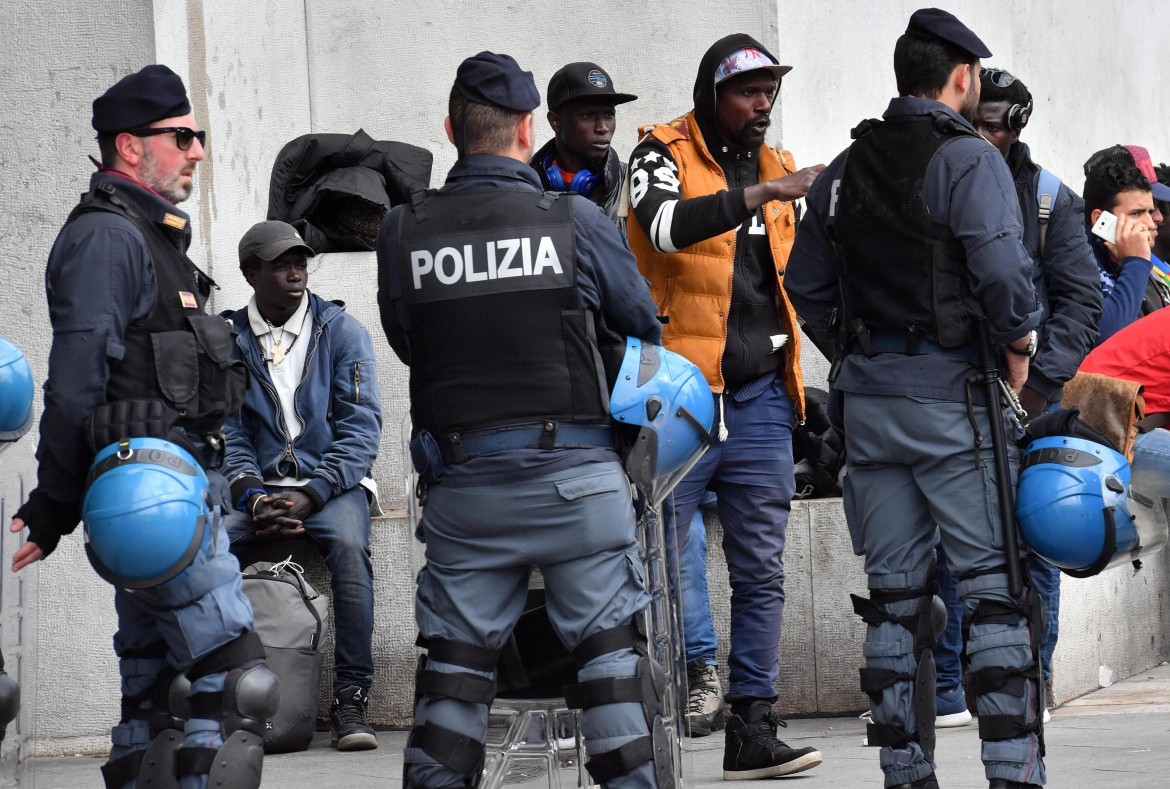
<point>951,708</point>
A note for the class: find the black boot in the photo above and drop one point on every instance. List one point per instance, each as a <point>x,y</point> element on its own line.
<point>752,750</point>
<point>347,721</point>
<point>1003,783</point>
<point>929,782</point>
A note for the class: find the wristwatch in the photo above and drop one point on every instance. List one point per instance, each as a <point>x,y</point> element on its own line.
<point>1030,350</point>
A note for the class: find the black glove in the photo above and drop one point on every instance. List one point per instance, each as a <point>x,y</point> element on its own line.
<point>48,519</point>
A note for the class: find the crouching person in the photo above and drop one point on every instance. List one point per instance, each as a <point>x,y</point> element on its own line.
<point>139,383</point>
<point>300,451</point>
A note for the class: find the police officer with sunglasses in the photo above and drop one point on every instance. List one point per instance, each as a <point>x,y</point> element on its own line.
<point>131,337</point>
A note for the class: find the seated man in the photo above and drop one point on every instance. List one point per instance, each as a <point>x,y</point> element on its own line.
<point>299,451</point>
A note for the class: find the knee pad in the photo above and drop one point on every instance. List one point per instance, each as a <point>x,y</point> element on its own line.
<point>251,692</point>
<point>9,699</point>
<point>249,698</point>
<point>457,752</point>
<point>648,688</point>
<point>156,765</point>
<point>250,695</point>
<point>1009,680</point>
<point>926,624</point>
<point>237,764</point>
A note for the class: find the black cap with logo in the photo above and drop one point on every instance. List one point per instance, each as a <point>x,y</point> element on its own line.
<point>583,81</point>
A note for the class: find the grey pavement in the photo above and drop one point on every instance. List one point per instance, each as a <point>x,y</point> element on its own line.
<point>1117,737</point>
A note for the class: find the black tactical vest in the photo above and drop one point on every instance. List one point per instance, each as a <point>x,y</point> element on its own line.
<point>497,336</point>
<point>903,273</point>
<point>176,354</point>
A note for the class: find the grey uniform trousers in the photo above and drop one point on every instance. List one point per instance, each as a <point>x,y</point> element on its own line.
<point>577,525</point>
<point>915,478</point>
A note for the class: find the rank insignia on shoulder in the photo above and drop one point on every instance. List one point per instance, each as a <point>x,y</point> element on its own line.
<point>177,222</point>
<point>188,300</point>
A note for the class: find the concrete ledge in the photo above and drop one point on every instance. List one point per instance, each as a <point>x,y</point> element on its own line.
<point>1117,619</point>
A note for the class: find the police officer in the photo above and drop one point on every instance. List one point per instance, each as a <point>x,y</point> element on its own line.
<point>1067,286</point>
<point>911,233</point>
<point>16,416</point>
<point>134,355</point>
<point>582,112</point>
<point>490,290</point>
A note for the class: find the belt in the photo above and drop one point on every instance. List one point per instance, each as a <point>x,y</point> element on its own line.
<point>911,345</point>
<point>460,447</point>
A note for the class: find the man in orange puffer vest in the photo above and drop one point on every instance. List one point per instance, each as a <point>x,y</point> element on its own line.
<point>713,225</point>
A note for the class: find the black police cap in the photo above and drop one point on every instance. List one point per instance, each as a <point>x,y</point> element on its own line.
<point>140,99</point>
<point>497,80</point>
<point>936,23</point>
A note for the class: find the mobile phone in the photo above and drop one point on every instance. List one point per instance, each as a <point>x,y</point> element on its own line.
<point>1106,227</point>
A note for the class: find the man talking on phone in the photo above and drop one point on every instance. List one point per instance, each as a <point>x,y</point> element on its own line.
<point>1115,183</point>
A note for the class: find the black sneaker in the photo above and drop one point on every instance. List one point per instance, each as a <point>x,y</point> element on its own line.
<point>752,750</point>
<point>347,721</point>
<point>1003,783</point>
<point>929,782</point>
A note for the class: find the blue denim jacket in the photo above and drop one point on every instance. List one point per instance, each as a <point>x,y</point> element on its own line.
<point>338,401</point>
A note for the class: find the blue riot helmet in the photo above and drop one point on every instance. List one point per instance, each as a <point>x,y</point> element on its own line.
<point>1072,505</point>
<point>669,399</point>
<point>16,393</point>
<point>146,511</point>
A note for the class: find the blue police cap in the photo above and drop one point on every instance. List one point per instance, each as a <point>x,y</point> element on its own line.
<point>498,80</point>
<point>140,99</point>
<point>936,23</point>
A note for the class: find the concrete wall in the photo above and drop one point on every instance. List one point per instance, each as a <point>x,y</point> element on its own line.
<point>264,72</point>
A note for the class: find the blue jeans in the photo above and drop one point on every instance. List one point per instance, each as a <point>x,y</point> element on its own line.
<point>342,533</point>
<point>1151,463</point>
<point>1045,581</point>
<point>698,626</point>
<point>751,473</point>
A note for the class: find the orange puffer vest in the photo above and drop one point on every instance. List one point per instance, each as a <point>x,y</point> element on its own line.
<point>693,286</point>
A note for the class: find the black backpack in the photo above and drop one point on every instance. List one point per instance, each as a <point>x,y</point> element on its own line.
<point>291,621</point>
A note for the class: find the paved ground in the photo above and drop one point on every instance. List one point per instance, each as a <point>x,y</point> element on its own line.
<point>1118,737</point>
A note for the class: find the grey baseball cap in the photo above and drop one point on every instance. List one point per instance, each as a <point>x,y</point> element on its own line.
<point>269,240</point>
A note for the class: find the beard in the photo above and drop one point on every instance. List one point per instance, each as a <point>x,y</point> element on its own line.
<point>970,104</point>
<point>167,184</point>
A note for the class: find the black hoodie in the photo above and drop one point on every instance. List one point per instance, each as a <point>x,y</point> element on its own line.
<point>752,320</point>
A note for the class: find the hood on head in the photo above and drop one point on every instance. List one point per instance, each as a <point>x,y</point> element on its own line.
<point>704,93</point>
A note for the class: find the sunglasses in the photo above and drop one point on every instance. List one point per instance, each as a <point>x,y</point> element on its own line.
<point>999,78</point>
<point>183,136</point>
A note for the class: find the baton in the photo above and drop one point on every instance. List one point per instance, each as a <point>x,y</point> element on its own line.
<point>1007,500</point>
